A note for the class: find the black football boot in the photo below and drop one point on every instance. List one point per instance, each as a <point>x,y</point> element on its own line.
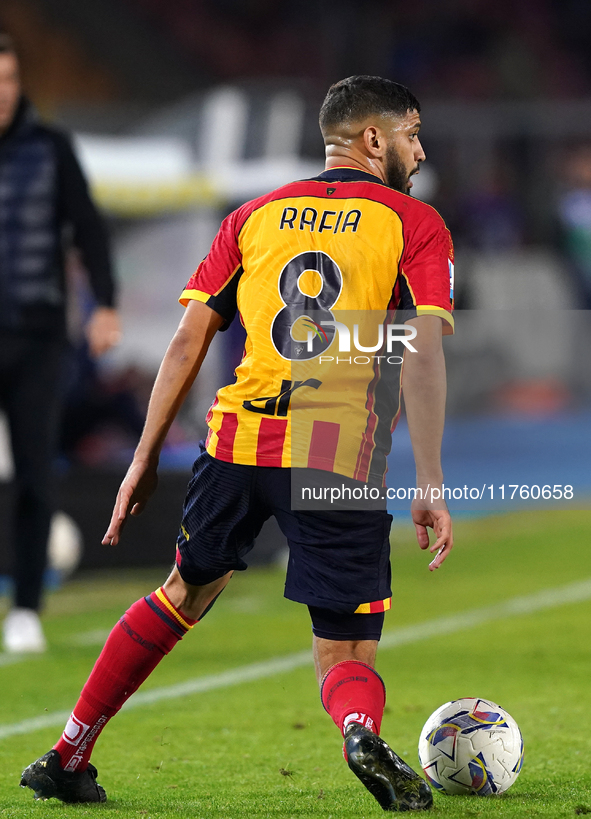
<point>47,779</point>
<point>387,777</point>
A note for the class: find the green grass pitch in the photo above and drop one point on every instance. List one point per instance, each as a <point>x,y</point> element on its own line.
<point>266,748</point>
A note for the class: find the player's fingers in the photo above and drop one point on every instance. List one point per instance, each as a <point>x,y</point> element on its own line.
<point>113,533</point>
<point>111,537</point>
<point>440,556</point>
<point>118,517</point>
<point>422,535</point>
<point>112,528</point>
<point>123,503</point>
<point>138,508</point>
<point>442,529</point>
<point>441,540</point>
<point>443,545</point>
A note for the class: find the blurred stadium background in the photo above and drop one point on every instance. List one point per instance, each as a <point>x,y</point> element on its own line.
<point>184,109</point>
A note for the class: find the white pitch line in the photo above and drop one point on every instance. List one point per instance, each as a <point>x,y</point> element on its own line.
<point>95,637</point>
<point>515,606</point>
<point>546,599</point>
<point>11,659</point>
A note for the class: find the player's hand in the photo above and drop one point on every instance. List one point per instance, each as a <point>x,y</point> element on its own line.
<point>440,521</point>
<point>103,331</point>
<point>137,487</point>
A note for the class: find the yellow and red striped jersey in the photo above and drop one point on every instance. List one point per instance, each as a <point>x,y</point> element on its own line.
<point>293,263</point>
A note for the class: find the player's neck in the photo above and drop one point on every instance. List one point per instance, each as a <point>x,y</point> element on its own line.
<point>360,163</point>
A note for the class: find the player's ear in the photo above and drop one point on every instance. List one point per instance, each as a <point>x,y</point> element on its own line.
<point>373,140</point>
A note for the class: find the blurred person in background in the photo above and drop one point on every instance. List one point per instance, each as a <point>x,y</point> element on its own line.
<point>491,215</point>
<point>44,207</point>
<point>574,211</point>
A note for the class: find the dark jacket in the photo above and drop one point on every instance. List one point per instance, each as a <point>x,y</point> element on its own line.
<point>44,206</point>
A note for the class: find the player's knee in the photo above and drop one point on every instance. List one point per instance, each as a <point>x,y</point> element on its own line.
<point>192,600</point>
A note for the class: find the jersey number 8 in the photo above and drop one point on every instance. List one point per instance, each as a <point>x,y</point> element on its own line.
<point>298,305</point>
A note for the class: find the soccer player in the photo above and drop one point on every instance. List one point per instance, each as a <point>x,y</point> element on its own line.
<point>350,239</point>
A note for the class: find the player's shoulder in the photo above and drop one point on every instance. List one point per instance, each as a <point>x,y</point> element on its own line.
<point>413,212</point>
<point>241,215</point>
<point>300,187</point>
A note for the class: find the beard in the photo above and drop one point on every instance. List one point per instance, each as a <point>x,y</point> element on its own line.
<point>396,174</point>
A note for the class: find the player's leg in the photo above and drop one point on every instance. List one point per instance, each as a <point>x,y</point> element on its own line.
<point>33,407</point>
<point>354,695</point>
<point>345,647</point>
<point>148,631</point>
<point>217,528</point>
<point>339,566</point>
<point>328,653</point>
<point>193,602</point>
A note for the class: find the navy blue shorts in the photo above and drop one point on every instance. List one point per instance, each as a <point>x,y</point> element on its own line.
<point>338,560</point>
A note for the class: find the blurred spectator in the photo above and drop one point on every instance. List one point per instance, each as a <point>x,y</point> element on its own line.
<point>574,210</point>
<point>101,416</point>
<point>469,48</point>
<point>44,202</point>
<point>491,215</point>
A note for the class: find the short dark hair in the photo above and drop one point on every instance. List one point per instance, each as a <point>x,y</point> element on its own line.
<point>6,44</point>
<point>361,96</point>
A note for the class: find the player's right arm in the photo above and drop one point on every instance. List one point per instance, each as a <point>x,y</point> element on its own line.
<point>178,370</point>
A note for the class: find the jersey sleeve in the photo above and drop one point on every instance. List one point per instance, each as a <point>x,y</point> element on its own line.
<point>215,282</point>
<point>427,269</point>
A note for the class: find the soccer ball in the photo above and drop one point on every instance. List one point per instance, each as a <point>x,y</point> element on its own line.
<point>471,746</point>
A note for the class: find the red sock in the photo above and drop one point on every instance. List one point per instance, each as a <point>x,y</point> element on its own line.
<point>354,692</point>
<point>146,632</point>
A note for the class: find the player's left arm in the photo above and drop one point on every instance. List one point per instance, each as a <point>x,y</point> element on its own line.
<point>427,292</point>
<point>178,370</point>
<point>424,387</point>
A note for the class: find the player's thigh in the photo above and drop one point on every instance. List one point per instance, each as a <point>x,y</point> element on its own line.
<point>221,519</point>
<point>338,561</point>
